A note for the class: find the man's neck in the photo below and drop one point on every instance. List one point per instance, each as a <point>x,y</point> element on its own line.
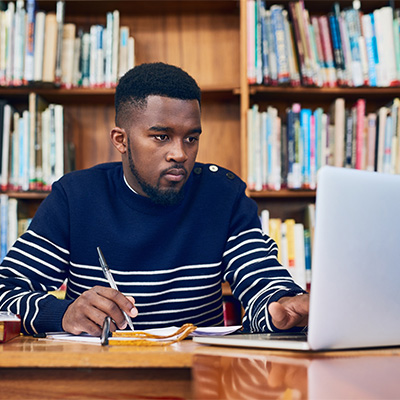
<point>129,186</point>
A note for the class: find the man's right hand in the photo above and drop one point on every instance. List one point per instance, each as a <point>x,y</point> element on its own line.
<point>88,311</point>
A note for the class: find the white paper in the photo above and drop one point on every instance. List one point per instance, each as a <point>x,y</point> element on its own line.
<point>202,331</point>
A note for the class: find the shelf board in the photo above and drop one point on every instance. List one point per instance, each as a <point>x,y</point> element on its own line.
<point>283,193</point>
<point>27,195</point>
<point>307,93</point>
<point>93,7</point>
<point>101,94</point>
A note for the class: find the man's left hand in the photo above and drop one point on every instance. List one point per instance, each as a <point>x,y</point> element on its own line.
<point>289,312</point>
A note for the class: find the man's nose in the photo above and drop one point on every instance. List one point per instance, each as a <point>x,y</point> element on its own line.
<point>176,152</point>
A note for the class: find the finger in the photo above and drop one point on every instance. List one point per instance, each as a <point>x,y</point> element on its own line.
<point>279,315</point>
<point>112,302</point>
<point>134,311</point>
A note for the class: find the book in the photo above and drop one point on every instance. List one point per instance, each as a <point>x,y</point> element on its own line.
<point>67,56</point>
<point>85,59</point>
<point>10,22</point>
<point>371,142</point>
<point>299,44</point>
<point>251,27</point>
<point>327,49</point>
<point>349,134</point>
<point>293,63</point>
<point>275,233</point>
<point>385,44</point>
<point>30,42</point>
<point>2,109</point>
<point>37,104</point>
<point>60,57</point>
<point>39,46</point>
<point>19,43</point>
<point>5,146</point>
<point>258,41</point>
<point>265,221</point>
<point>10,326</point>
<point>299,255</point>
<point>291,256</point>
<point>115,48</point>
<point>334,20</point>
<point>272,57</point>
<point>380,137</point>
<point>370,44</point>
<point>281,45</point>
<point>360,131</point>
<point>123,50</point>
<point>352,19</point>
<point>50,48</point>
<point>338,123</point>
<point>3,46</point>
<point>3,225</point>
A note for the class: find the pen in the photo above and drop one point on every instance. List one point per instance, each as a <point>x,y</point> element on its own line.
<point>110,279</point>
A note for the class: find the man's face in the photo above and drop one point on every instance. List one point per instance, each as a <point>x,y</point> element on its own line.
<point>162,145</point>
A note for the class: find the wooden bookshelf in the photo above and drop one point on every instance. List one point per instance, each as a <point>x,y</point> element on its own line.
<point>209,40</point>
<point>291,203</point>
<point>196,36</point>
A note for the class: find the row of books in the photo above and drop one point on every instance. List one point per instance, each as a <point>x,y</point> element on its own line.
<point>343,48</point>
<point>33,153</point>
<point>14,221</point>
<point>290,155</point>
<point>36,46</point>
<point>294,241</point>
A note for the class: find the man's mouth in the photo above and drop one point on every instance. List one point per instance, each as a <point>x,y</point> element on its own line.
<point>175,174</point>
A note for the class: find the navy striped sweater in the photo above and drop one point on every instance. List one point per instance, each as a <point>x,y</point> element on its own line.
<point>171,259</point>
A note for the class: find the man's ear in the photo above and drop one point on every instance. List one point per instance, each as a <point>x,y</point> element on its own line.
<point>119,139</point>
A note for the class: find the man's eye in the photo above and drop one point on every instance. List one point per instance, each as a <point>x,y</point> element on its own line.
<point>161,138</point>
<point>192,139</point>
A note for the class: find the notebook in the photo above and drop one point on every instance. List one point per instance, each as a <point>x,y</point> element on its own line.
<point>354,299</point>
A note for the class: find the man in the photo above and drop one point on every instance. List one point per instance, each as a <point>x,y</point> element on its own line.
<point>171,230</point>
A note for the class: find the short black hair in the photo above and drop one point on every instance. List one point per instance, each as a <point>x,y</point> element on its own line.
<point>153,79</point>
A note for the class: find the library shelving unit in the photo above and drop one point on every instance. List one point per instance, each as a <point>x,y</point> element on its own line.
<point>291,203</point>
<point>202,37</point>
<point>208,39</point>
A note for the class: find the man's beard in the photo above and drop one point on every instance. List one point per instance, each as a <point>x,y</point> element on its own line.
<point>166,197</point>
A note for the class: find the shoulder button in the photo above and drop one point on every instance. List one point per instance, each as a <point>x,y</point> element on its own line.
<point>230,175</point>
<point>198,170</point>
<point>213,168</point>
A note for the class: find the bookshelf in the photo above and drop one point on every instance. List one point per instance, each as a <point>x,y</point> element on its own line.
<point>291,203</point>
<point>209,40</point>
<point>192,35</point>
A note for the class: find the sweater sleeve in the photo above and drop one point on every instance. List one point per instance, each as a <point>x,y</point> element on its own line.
<point>36,264</point>
<point>252,269</point>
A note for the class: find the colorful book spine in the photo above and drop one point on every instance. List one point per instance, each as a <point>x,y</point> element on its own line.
<point>352,23</point>
<point>327,51</point>
<point>336,45</point>
<point>60,15</point>
<point>30,42</point>
<point>265,47</point>
<point>348,139</point>
<point>299,44</point>
<point>251,38</point>
<point>272,56</point>
<point>305,122</point>
<point>258,42</point>
<point>370,43</point>
<point>281,45</point>
<point>3,225</point>
<point>360,127</point>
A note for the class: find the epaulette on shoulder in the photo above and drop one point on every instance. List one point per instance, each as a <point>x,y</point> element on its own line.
<point>216,170</point>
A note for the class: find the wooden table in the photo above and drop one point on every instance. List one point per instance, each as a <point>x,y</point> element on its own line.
<point>44,369</point>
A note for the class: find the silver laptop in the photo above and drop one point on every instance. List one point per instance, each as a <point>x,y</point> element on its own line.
<point>355,289</point>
